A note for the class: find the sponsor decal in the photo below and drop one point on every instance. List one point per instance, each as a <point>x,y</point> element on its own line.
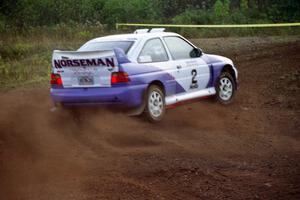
<point>94,62</point>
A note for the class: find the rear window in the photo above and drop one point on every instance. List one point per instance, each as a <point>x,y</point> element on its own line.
<point>109,45</point>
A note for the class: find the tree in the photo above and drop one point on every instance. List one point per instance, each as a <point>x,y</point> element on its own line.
<point>218,9</point>
<point>226,8</point>
<point>221,10</point>
<point>244,5</point>
<point>128,11</point>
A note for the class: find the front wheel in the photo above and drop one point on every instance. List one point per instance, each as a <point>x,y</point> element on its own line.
<point>155,104</point>
<point>225,88</point>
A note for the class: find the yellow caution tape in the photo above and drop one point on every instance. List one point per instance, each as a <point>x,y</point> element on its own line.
<point>210,26</point>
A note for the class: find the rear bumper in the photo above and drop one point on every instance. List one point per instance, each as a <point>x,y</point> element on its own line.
<point>127,95</point>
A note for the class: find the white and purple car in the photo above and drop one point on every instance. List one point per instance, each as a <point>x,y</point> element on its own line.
<point>145,71</point>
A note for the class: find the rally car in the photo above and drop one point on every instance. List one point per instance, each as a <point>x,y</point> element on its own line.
<point>147,71</point>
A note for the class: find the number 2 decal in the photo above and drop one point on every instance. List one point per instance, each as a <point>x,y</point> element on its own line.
<point>194,80</point>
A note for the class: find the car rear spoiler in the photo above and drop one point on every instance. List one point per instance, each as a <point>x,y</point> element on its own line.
<point>109,58</point>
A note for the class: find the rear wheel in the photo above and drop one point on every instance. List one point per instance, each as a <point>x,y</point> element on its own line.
<point>155,104</point>
<point>225,88</point>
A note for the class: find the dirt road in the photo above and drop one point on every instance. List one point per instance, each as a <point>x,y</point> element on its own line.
<point>202,150</point>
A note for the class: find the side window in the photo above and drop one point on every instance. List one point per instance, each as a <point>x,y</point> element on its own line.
<point>153,51</point>
<point>179,48</point>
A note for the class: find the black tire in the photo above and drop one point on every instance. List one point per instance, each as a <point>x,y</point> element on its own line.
<point>220,96</point>
<point>155,110</point>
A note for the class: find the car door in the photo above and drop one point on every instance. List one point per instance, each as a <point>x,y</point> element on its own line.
<point>193,73</point>
<point>153,53</point>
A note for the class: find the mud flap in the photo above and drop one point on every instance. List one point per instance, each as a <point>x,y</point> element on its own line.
<point>139,110</point>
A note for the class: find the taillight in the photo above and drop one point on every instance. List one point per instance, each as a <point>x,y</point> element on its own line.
<point>119,77</point>
<point>55,79</point>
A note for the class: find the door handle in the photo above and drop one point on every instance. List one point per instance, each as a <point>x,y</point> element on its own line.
<point>179,66</point>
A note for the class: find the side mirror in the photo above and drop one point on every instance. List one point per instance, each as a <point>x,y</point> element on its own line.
<point>196,52</point>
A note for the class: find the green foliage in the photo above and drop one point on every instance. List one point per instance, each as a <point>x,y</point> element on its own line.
<point>15,50</point>
<point>226,8</point>
<point>221,10</point>
<point>244,5</point>
<point>48,12</point>
<point>24,13</point>
<point>218,9</point>
<point>192,16</point>
<point>128,11</point>
<point>84,34</point>
<point>221,14</point>
<point>2,23</point>
<point>89,18</point>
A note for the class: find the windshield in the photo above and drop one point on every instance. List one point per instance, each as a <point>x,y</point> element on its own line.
<point>107,45</point>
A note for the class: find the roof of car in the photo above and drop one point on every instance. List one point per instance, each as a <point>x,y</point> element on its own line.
<point>132,36</point>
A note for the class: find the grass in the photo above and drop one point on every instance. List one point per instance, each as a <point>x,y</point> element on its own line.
<point>24,61</point>
<point>25,56</point>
